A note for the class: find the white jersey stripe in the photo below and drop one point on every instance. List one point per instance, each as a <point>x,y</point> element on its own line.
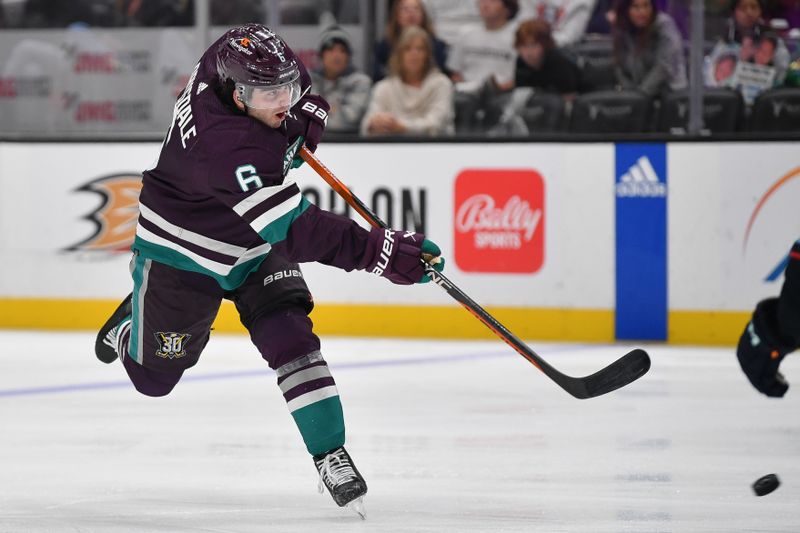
<point>253,253</point>
<point>208,264</point>
<point>276,212</point>
<point>309,374</point>
<point>190,236</point>
<point>214,266</point>
<point>310,397</point>
<point>261,195</point>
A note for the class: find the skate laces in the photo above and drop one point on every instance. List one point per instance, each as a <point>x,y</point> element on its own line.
<point>335,469</point>
<point>115,335</point>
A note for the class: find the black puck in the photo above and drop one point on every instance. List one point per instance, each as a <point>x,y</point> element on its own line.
<point>766,484</point>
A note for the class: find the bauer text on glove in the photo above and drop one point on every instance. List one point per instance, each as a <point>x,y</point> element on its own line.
<point>397,255</point>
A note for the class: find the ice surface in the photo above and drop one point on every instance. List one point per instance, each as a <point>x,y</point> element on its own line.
<point>450,436</point>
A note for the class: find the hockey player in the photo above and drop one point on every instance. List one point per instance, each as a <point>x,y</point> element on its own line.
<point>217,220</point>
<point>772,333</point>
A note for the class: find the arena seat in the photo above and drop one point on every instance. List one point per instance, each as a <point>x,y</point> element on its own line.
<point>543,112</point>
<point>776,110</point>
<point>722,110</point>
<point>610,112</point>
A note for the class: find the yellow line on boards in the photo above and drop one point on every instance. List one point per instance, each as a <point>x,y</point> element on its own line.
<point>451,322</point>
<point>446,322</point>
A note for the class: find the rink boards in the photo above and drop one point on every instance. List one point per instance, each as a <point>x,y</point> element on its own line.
<point>579,241</point>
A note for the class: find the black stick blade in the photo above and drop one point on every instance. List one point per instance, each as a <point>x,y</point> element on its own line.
<point>621,372</point>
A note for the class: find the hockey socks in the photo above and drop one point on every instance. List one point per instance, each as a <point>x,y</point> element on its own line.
<point>313,400</point>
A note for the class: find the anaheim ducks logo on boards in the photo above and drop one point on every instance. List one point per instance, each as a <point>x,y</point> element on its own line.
<point>115,218</point>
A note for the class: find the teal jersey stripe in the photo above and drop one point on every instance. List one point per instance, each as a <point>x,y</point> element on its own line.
<point>175,259</point>
<point>276,231</point>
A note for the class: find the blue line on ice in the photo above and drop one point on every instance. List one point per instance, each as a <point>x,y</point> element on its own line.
<point>79,387</point>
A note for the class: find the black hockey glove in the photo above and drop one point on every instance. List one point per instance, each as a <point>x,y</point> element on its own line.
<point>761,350</point>
<point>307,122</point>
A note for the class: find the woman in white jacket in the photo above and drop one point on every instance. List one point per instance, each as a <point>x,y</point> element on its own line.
<point>416,99</point>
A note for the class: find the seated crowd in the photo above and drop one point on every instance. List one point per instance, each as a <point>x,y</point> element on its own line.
<point>511,56</point>
<point>508,67</point>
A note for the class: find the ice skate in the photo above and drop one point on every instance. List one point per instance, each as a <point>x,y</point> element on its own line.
<point>343,481</point>
<point>107,345</point>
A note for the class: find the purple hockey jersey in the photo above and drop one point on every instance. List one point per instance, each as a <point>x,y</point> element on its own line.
<point>217,202</point>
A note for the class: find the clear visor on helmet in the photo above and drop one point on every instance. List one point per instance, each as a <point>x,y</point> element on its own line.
<point>279,97</point>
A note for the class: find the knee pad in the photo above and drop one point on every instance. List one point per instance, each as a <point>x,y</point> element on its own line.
<point>284,336</point>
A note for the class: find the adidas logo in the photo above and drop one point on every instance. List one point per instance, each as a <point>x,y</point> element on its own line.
<point>202,86</point>
<point>641,181</point>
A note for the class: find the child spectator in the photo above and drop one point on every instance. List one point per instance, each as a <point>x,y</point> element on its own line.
<point>648,49</point>
<point>415,99</point>
<point>406,13</point>
<point>540,64</point>
<point>338,82</point>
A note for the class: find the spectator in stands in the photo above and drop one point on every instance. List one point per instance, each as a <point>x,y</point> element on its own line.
<point>336,80</point>
<point>568,19</point>
<point>541,67</point>
<point>540,64</point>
<point>482,62</point>
<point>648,49</point>
<point>235,12</point>
<point>416,98</point>
<point>449,17</point>
<point>751,40</point>
<point>485,52</point>
<point>406,13</point>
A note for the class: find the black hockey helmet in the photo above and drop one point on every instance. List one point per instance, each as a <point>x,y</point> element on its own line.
<point>264,70</point>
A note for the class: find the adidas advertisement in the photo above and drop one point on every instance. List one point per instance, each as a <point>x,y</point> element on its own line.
<point>641,241</point>
<point>641,179</point>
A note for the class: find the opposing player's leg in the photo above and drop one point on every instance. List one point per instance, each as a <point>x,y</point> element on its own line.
<point>772,333</point>
<point>160,329</point>
<point>274,304</point>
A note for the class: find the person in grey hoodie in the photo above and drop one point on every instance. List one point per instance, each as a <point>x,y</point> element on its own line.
<point>648,49</point>
<point>346,89</point>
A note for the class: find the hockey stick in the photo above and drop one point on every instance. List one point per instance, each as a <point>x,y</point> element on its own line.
<point>624,370</point>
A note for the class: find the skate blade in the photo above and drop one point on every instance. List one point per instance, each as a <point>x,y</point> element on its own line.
<point>357,506</point>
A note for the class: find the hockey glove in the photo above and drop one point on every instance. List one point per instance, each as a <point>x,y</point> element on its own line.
<point>396,256</point>
<point>760,350</point>
<point>308,120</point>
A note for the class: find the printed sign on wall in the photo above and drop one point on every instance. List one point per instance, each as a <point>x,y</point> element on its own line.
<point>641,220</point>
<point>499,221</point>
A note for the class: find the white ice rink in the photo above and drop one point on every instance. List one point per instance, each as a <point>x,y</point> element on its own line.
<point>450,436</point>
